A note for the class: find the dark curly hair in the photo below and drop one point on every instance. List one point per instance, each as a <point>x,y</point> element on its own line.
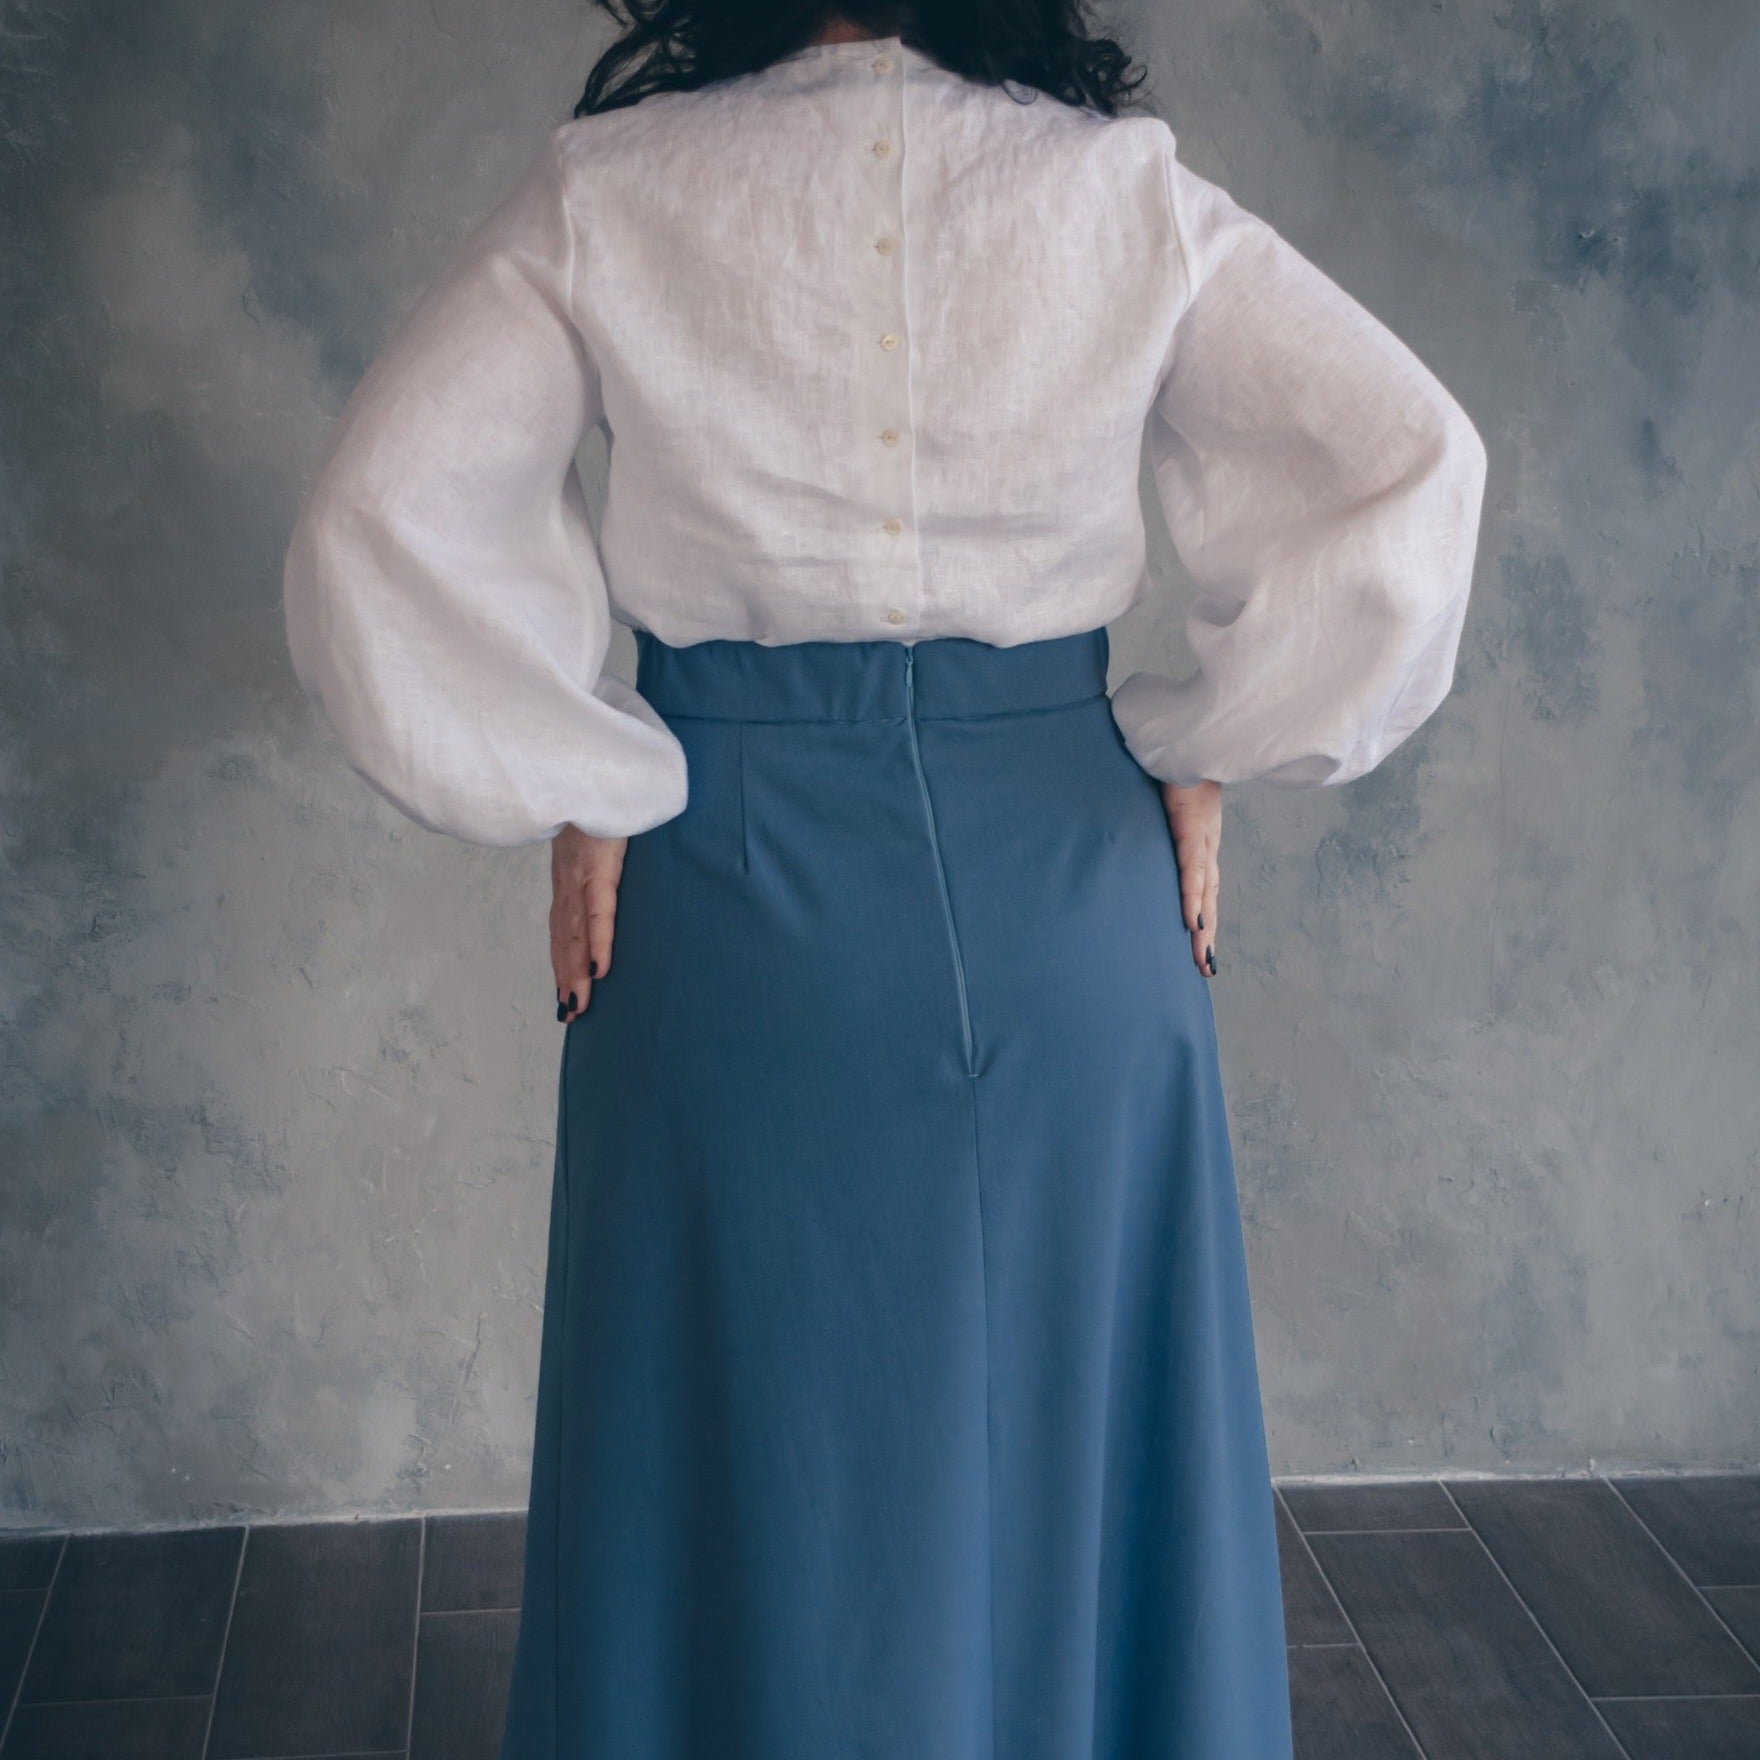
<point>679,45</point>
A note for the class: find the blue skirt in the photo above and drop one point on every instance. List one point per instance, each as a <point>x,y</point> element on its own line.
<point>898,1397</point>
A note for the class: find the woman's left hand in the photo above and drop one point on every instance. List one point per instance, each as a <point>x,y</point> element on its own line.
<point>1194,815</point>
<point>584,874</point>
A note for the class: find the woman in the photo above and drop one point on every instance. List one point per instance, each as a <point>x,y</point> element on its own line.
<point>897,1394</point>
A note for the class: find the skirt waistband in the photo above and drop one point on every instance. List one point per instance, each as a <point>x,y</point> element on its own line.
<point>936,677</point>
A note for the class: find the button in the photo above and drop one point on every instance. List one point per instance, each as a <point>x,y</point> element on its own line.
<point>889,340</point>
<point>888,436</point>
<point>895,615</point>
<point>893,526</point>
<point>886,246</point>
<point>882,148</point>
<point>881,64</point>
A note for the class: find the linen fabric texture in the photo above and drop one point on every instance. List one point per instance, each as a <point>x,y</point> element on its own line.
<point>897,1395</point>
<point>877,350</point>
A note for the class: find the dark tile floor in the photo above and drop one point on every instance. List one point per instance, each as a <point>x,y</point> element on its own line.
<point>1519,1619</point>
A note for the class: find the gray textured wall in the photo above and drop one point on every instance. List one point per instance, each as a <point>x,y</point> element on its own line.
<point>277,1069</point>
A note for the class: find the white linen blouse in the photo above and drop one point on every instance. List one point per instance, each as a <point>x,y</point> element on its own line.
<point>876,348</point>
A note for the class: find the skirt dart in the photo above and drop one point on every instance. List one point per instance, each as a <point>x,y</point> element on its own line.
<point>898,1397</point>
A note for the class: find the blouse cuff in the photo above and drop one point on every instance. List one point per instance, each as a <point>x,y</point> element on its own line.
<point>1152,713</point>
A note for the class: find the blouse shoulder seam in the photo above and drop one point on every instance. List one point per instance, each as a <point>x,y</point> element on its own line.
<point>560,166</point>
<point>1169,147</point>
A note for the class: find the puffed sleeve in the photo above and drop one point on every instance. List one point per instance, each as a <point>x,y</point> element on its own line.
<point>443,591</point>
<point>1323,491</point>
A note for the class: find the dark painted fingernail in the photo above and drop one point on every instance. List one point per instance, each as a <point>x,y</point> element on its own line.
<point>592,968</point>
<point>573,1000</point>
<point>1210,955</point>
<point>562,1011</point>
<point>1200,919</point>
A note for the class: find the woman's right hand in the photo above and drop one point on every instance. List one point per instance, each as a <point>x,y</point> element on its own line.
<point>1194,815</point>
<point>584,873</point>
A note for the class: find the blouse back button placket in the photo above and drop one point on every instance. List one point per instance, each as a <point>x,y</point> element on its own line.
<point>885,245</point>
